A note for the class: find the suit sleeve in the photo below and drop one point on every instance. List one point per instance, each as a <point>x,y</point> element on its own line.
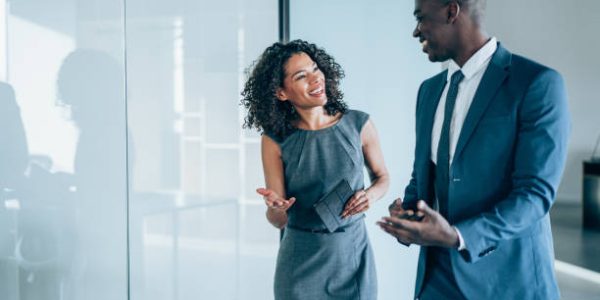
<point>540,153</point>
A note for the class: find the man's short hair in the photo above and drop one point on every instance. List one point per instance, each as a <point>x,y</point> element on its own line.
<point>476,8</point>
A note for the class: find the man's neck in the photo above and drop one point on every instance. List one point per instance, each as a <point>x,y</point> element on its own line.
<point>470,43</point>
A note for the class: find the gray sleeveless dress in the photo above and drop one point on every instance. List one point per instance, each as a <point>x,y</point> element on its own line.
<point>312,263</point>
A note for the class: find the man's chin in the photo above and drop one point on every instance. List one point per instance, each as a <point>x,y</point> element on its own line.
<point>435,58</point>
<point>432,57</point>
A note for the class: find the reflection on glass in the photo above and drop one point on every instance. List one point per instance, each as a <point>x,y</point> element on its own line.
<point>62,151</point>
<point>90,84</point>
<point>191,210</point>
<point>14,160</point>
<point>65,169</point>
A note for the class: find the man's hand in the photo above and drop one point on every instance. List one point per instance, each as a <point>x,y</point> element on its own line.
<point>396,209</point>
<point>432,230</point>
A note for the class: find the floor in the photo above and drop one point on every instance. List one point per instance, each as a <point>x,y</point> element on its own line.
<point>577,252</point>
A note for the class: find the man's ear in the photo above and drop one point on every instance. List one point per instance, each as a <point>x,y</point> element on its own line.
<point>281,95</point>
<point>453,12</point>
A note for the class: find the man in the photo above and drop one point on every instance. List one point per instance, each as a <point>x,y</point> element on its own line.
<point>491,144</point>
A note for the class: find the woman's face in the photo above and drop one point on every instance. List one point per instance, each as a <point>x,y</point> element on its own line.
<point>304,83</point>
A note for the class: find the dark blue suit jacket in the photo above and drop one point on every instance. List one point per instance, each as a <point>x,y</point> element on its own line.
<point>503,179</point>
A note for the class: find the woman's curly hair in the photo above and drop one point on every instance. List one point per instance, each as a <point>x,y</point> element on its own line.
<point>266,112</point>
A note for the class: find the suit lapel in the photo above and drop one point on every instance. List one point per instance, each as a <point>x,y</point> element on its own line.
<point>429,107</point>
<point>492,79</point>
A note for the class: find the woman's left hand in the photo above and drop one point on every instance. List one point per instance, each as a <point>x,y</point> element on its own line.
<point>359,203</point>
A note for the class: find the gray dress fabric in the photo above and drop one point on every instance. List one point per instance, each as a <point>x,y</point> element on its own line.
<point>312,263</point>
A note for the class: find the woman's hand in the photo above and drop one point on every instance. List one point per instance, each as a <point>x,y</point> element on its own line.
<point>274,201</point>
<point>359,203</point>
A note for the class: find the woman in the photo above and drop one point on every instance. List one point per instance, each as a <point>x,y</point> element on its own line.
<point>311,144</point>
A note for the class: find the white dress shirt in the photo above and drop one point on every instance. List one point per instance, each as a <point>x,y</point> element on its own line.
<point>473,71</point>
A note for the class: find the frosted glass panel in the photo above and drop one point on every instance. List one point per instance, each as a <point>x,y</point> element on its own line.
<point>192,236</point>
<point>62,150</point>
<point>100,143</point>
<point>258,249</point>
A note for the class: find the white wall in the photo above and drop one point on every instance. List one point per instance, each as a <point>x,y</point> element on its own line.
<point>384,66</point>
<point>560,34</point>
<point>564,36</point>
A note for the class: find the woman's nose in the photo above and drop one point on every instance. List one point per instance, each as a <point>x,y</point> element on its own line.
<point>314,78</point>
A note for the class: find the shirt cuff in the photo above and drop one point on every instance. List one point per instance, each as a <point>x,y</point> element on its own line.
<point>461,241</point>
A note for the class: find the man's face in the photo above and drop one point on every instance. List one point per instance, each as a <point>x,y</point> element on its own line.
<point>433,29</point>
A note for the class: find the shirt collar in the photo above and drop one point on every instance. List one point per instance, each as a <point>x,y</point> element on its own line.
<point>476,62</point>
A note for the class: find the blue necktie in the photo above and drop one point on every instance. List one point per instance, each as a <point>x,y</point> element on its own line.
<point>442,169</point>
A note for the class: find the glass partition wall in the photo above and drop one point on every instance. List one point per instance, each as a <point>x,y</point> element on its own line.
<point>63,185</point>
<point>124,171</point>
<point>197,227</point>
